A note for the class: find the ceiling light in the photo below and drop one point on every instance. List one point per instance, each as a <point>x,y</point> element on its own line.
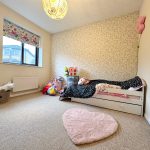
<point>56,9</point>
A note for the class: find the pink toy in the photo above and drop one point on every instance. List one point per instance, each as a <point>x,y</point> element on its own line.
<point>140,26</point>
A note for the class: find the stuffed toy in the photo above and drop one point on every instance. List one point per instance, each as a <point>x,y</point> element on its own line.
<point>46,88</point>
<point>103,87</point>
<point>83,81</point>
<point>57,85</point>
<point>54,87</point>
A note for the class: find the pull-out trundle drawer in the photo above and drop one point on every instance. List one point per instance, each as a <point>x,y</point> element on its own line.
<point>115,105</point>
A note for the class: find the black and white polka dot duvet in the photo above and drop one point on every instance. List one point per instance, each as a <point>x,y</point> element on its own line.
<point>86,91</point>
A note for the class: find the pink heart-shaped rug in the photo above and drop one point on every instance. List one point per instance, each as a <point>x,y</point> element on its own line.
<point>84,126</point>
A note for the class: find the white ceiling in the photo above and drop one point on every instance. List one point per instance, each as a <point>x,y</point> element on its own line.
<point>80,12</point>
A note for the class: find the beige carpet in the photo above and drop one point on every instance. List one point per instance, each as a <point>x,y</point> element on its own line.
<point>34,122</point>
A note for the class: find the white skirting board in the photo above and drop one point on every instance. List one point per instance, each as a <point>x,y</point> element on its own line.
<point>25,92</point>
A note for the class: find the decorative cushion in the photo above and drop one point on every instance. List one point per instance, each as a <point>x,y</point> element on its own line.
<point>84,126</point>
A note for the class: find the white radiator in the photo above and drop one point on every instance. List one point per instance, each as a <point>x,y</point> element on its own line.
<point>25,83</point>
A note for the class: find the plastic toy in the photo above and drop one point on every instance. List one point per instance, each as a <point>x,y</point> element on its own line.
<point>66,71</point>
<point>51,91</point>
<point>70,71</point>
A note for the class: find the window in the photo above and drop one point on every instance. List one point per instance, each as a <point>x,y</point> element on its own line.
<point>11,50</point>
<point>29,54</point>
<point>20,46</point>
<point>17,52</point>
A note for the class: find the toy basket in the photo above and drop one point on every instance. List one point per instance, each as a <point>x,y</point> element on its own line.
<point>4,96</point>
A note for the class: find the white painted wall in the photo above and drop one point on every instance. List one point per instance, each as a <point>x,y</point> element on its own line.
<point>103,50</point>
<point>7,72</point>
<point>144,54</point>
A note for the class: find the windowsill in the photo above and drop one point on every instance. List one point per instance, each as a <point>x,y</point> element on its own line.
<point>23,65</point>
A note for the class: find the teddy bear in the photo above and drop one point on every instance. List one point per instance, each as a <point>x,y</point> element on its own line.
<point>83,81</point>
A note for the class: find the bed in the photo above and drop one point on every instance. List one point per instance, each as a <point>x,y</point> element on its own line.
<point>129,101</point>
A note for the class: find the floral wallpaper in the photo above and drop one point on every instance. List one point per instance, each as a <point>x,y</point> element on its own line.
<point>18,33</point>
<point>104,50</point>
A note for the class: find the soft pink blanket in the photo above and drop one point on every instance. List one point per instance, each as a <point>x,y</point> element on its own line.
<point>84,126</point>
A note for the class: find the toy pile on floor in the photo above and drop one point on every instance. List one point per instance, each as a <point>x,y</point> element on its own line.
<point>54,87</point>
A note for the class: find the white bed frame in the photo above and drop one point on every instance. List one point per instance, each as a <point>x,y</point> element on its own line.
<point>134,104</point>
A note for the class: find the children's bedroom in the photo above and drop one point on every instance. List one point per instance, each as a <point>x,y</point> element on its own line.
<point>74,75</point>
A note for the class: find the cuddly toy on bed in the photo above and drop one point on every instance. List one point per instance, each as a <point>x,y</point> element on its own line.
<point>83,81</point>
<point>103,87</point>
